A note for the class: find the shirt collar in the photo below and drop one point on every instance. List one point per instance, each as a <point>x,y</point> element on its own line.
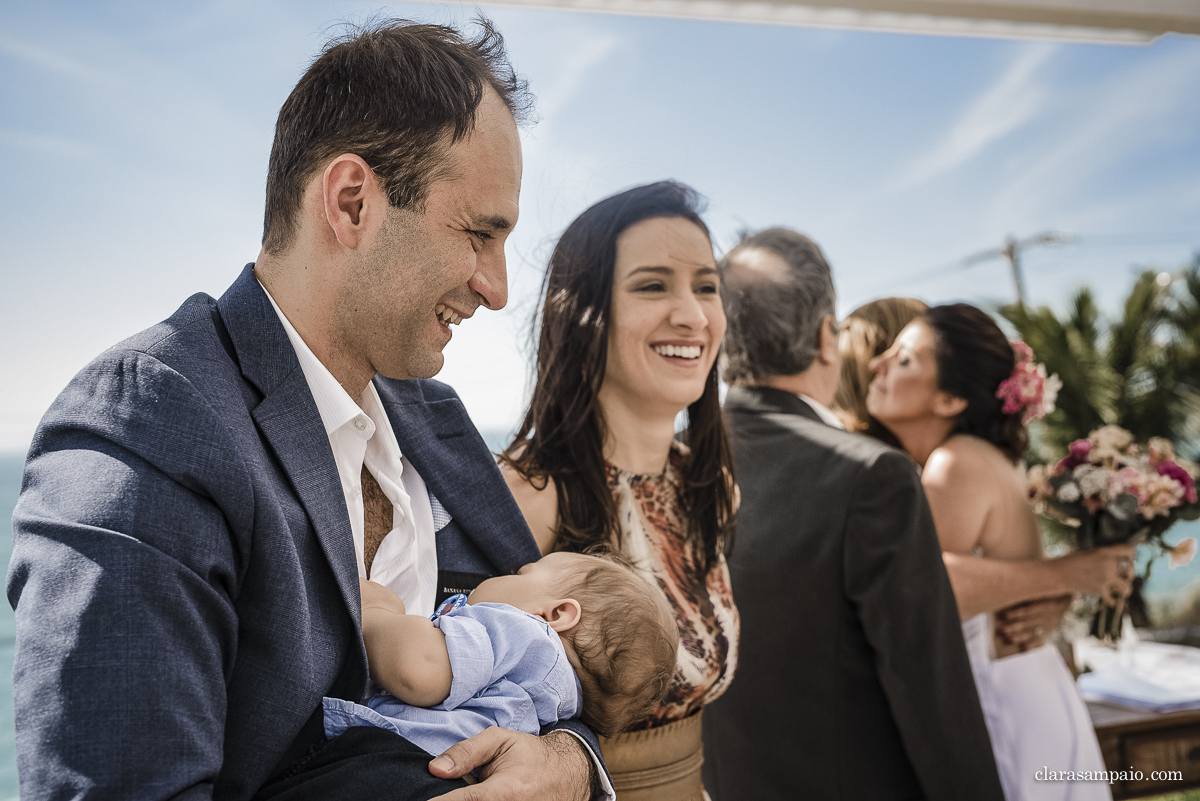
<point>827,417</point>
<point>334,404</point>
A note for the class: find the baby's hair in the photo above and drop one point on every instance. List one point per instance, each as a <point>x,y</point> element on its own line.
<point>626,642</point>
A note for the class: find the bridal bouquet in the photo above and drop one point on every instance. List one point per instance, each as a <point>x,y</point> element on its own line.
<point>1110,490</point>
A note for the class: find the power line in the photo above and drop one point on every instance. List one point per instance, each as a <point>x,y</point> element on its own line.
<point>1106,240</point>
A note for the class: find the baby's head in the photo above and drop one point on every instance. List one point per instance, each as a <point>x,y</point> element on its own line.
<point>618,630</point>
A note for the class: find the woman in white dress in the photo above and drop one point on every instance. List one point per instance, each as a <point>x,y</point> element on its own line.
<point>936,390</point>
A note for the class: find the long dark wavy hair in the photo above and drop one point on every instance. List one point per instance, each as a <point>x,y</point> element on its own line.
<point>973,356</point>
<point>562,435</point>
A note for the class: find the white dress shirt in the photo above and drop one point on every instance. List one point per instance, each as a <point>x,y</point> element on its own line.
<point>360,433</point>
<point>406,562</point>
<point>823,411</point>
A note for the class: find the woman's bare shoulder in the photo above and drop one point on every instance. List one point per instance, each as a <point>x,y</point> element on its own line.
<point>960,461</point>
<point>538,503</point>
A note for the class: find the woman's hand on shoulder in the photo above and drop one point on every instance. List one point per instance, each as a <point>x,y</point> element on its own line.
<point>956,481</point>
<point>539,506</point>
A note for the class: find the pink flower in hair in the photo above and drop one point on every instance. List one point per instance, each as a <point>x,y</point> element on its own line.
<point>1028,389</point>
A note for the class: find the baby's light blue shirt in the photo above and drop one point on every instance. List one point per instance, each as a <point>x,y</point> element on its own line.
<point>510,670</point>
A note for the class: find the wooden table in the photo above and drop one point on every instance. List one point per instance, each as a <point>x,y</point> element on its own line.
<point>1134,739</point>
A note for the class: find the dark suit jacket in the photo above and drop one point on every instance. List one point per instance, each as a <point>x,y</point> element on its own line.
<point>183,571</point>
<point>852,679</point>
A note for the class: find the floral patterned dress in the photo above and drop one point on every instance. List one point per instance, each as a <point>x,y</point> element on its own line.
<point>652,537</point>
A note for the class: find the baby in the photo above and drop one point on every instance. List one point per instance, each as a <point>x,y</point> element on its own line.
<point>569,635</point>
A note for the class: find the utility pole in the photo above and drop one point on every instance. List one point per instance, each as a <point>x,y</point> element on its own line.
<point>1012,249</point>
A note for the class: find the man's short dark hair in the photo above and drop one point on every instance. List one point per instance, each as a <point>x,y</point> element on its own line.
<point>774,321</point>
<point>395,93</point>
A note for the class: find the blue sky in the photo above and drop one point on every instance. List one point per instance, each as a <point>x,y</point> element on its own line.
<point>134,140</point>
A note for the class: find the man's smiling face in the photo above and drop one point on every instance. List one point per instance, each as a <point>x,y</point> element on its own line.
<point>430,268</point>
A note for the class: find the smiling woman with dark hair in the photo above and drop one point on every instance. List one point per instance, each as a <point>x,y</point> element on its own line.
<point>630,329</point>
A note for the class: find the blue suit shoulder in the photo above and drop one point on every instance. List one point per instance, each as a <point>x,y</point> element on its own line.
<point>415,390</point>
<point>165,397</point>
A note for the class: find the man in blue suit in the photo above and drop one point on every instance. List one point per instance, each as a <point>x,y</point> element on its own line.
<point>201,500</point>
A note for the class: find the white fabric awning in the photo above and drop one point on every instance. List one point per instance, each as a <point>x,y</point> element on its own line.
<point>1122,21</point>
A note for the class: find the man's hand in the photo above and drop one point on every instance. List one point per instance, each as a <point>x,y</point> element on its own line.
<point>518,767</point>
<point>1027,625</point>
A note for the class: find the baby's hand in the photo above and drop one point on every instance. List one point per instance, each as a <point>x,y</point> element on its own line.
<point>377,596</point>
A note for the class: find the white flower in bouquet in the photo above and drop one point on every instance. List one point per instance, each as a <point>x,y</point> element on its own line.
<point>1163,494</point>
<point>1109,444</point>
<point>1161,450</point>
<point>1092,479</point>
<point>1069,492</point>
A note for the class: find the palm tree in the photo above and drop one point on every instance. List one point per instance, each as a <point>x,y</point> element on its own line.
<point>1140,371</point>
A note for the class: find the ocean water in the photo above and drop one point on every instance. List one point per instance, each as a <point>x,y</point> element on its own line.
<point>1175,584</point>
<point>10,487</point>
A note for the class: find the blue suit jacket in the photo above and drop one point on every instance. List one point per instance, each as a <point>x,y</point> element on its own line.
<point>183,572</point>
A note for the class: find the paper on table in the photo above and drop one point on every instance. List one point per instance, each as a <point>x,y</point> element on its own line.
<point>1146,675</point>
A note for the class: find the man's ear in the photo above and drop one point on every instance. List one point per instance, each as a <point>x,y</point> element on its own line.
<point>829,339</point>
<point>564,615</point>
<point>947,405</point>
<point>351,199</point>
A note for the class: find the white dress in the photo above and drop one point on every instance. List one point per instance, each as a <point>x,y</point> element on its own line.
<point>1036,718</point>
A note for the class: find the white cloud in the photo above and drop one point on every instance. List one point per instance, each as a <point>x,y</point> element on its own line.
<point>50,145</point>
<point>1131,112</point>
<point>1004,107</point>
<point>49,59</point>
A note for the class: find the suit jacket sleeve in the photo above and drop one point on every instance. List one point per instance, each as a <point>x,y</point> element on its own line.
<point>895,577</point>
<point>122,577</point>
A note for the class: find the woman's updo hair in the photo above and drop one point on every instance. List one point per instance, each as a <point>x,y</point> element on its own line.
<point>973,356</point>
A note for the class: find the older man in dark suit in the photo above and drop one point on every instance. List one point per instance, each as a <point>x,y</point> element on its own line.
<point>853,680</point>
<point>200,502</point>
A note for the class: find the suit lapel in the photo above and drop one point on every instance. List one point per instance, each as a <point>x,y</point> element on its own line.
<point>288,418</point>
<point>444,446</point>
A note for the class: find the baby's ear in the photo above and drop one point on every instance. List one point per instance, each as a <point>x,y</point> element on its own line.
<point>564,615</point>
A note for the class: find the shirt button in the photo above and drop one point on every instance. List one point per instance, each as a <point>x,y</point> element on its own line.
<point>359,424</point>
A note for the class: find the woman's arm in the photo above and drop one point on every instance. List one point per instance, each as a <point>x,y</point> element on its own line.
<point>406,654</point>
<point>986,585</point>
<point>539,506</point>
<point>960,488</point>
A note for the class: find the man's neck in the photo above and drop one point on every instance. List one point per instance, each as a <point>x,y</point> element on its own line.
<point>812,383</point>
<point>306,296</point>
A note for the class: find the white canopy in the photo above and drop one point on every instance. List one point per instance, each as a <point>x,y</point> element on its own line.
<point>1129,21</point>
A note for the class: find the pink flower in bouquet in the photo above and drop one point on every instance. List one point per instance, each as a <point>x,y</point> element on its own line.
<point>1079,450</point>
<point>1163,494</point>
<point>1028,389</point>
<point>1182,552</point>
<point>1127,480</point>
<point>1174,471</point>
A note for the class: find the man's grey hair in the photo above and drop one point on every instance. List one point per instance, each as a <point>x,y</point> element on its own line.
<point>774,318</point>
